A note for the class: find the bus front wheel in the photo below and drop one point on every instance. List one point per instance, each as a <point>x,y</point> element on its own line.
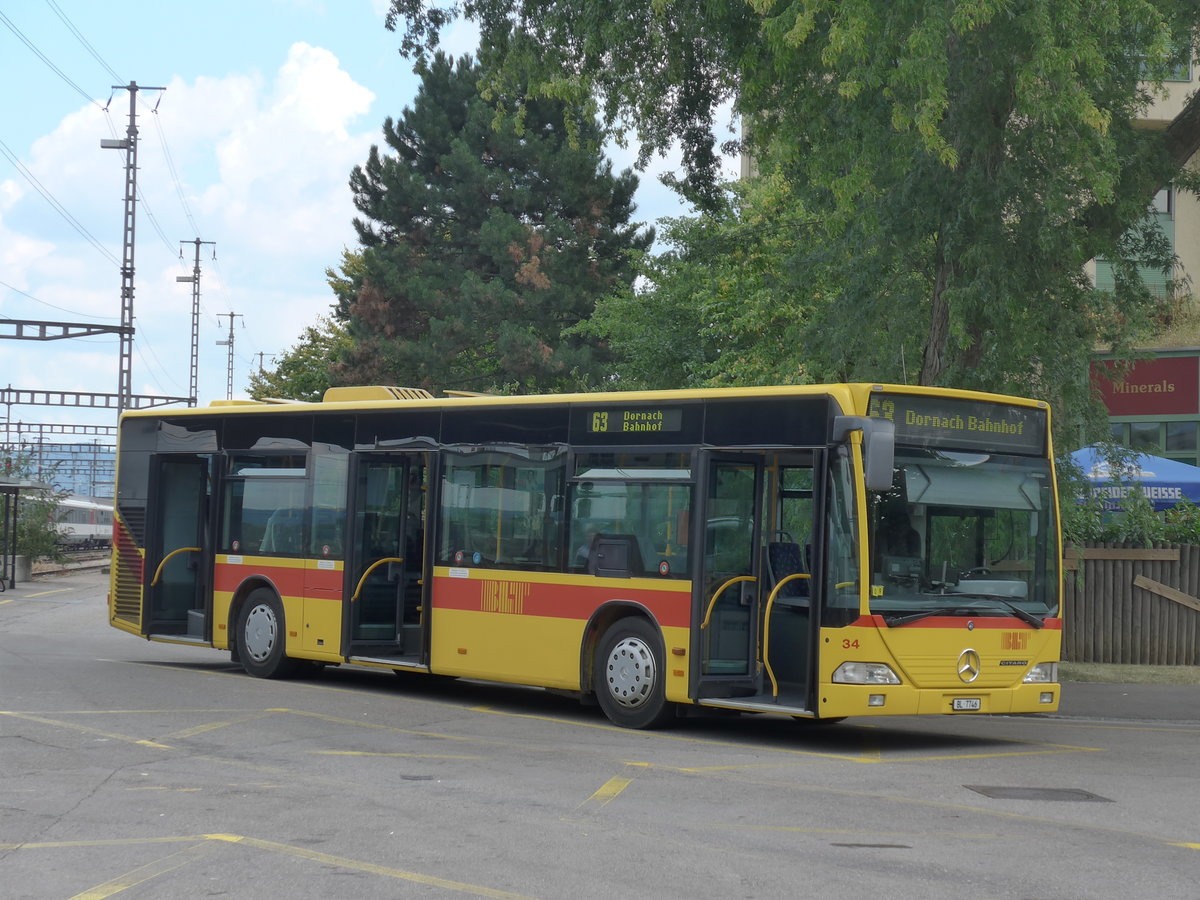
<point>628,675</point>
<point>261,636</point>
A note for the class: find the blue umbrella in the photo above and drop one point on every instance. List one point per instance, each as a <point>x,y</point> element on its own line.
<point>1164,482</point>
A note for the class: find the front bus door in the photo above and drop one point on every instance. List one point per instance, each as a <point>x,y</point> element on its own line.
<point>385,582</point>
<point>179,551</point>
<point>755,585</point>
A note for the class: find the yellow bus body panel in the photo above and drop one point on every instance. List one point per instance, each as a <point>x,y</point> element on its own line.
<point>927,656</point>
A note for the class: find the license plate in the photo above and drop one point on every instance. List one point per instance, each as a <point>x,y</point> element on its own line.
<point>966,704</point>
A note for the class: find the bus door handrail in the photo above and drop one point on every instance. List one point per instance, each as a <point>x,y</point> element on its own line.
<point>371,568</point>
<point>165,559</point>
<point>713,602</point>
<point>767,628</point>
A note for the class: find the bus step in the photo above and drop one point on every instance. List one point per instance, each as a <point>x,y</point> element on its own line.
<point>762,703</point>
<point>391,662</point>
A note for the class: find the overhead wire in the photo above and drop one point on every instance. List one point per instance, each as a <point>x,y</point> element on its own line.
<point>17,290</point>
<point>82,40</point>
<point>62,210</point>
<point>42,56</point>
<point>138,346</point>
<point>174,173</point>
<point>58,207</point>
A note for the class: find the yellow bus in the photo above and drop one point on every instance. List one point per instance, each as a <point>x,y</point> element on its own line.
<point>814,551</point>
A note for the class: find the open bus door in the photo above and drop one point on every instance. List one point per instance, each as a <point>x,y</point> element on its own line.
<point>179,560</point>
<point>755,587</point>
<point>385,578</point>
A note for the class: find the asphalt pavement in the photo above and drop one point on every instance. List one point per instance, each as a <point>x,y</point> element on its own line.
<point>1091,700</point>
<point>1142,702</point>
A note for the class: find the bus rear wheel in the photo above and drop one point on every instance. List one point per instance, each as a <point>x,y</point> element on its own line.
<point>262,638</point>
<point>628,675</point>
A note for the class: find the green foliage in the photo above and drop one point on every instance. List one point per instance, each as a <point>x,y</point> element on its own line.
<point>962,162</point>
<point>1085,520</point>
<point>719,306</point>
<point>36,536</point>
<point>1135,523</point>
<point>486,238</point>
<point>305,370</point>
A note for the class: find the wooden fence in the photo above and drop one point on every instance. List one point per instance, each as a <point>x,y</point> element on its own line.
<point>1132,605</point>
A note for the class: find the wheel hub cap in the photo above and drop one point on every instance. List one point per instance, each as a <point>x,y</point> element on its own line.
<point>630,672</point>
<point>261,631</point>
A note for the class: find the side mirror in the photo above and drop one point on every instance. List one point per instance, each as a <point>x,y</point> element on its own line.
<point>879,447</point>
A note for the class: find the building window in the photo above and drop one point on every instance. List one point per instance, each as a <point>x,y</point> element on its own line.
<point>1181,437</point>
<point>1143,437</point>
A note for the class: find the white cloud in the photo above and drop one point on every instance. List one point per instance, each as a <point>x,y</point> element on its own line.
<point>263,161</point>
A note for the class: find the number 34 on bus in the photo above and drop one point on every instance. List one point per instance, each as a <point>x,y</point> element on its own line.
<point>814,551</point>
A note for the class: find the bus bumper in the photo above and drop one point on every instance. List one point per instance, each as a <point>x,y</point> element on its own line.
<point>904,700</point>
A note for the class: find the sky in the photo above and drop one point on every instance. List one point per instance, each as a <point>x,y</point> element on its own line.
<point>268,105</point>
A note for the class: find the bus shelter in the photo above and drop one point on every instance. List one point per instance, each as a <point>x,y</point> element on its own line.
<point>10,504</point>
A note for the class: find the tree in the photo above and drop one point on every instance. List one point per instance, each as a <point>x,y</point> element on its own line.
<point>965,159</point>
<point>486,237</point>
<point>36,535</point>
<point>720,305</point>
<point>305,370</point>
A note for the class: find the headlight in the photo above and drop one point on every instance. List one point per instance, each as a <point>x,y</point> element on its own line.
<point>1042,673</point>
<point>864,673</point>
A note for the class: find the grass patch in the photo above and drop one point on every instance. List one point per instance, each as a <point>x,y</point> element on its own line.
<point>1120,674</point>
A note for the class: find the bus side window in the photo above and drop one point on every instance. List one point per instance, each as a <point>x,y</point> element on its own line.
<point>501,510</point>
<point>645,525</point>
<point>284,532</point>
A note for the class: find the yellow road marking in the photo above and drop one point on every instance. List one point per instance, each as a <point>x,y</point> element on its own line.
<point>48,593</point>
<point>1049,750</point>
<point>145,873</point>
<point>398,755</point>
<point>606,794</point>
<point>210,841</point>
<point>664,736</point>
<point>199,729</point>
<point>1169,729</point>
<point>1187,846</point>
<point>107,842</point>
<point>86,730</point>
<point>386,871</point>
<point>862,833</point>
<point>871,754</point>
<point>162,787</point>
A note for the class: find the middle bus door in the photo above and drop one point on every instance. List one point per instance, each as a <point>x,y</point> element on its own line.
<point>385,580</point>
<point>728,581</point>
<point>179,553</point>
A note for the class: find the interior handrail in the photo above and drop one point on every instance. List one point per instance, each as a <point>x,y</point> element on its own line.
<point>371,568</point>
<point>719,592</point>
<point>767,628</point>
<point>158,571</point>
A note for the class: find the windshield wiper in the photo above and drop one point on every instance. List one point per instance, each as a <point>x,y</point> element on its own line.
<point>1024,615</point>
<point>895,621</point>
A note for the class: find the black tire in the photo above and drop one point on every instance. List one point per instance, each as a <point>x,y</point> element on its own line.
<point>262,635</point>
<point>628,675</point>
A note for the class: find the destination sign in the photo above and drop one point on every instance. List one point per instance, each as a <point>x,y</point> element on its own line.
<point>964,424</point>
<point>634,420</point>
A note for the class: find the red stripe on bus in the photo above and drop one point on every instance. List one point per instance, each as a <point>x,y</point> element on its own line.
<point>288,580</point>
<point>1002,623</point>
<point>559,601</point>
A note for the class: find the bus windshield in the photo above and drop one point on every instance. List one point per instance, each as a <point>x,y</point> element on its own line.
<point>964,533</point>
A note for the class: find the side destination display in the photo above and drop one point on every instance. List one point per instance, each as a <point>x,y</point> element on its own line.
<point>963,424</point>
<point>634,420</point>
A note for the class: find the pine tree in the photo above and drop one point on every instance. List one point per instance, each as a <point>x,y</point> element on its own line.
<point>485,237</point>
